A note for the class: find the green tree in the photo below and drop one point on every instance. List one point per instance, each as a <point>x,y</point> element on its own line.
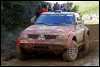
<point>12,13</point>
<point>12,17</point>
<point>70,6</point>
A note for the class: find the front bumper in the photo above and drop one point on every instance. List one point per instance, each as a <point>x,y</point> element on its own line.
<point>31,41</point>
<point>56,46</point>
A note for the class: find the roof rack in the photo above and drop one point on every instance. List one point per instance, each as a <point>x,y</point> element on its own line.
<point>58,11</point>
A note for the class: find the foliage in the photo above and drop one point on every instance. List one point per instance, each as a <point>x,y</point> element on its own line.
<point>13,13</point>
<point>72,9</point>
<point>16,15</point>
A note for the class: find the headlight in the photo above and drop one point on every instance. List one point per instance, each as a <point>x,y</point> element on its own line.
<point>61,36</point>
<point>24,35</point>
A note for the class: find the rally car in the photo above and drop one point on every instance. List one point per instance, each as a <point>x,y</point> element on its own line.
<point>54,32</point>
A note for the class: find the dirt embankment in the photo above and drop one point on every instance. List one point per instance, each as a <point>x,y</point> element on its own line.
<point>52,60</point>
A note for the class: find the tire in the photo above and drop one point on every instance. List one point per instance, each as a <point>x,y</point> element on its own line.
<point>21,53</point>
<point>71,53</point>
<point>85,49</point>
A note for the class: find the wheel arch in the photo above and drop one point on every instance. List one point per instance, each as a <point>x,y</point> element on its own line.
<point>71,37</point>
<point>74,38</point>
<point>86,31</point>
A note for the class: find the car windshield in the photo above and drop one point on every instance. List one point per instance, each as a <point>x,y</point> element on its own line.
<point>56,19</point>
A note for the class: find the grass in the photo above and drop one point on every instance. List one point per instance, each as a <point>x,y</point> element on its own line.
<point>88,7</point>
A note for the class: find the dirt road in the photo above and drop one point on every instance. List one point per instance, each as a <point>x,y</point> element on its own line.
<point>52,60</point>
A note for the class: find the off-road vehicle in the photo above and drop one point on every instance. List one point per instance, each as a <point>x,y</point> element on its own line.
<point>54,32</point>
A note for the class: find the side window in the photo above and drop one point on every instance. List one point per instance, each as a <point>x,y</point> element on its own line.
<point>78,20</point>
<point>75,20</point>
<point>77,16</point>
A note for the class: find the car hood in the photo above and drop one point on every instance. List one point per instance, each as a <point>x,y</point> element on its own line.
<point>37,29</point>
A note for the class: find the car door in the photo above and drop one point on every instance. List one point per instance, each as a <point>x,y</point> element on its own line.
<point>79,31</point>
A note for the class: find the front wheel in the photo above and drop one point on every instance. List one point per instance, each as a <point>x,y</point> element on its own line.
<point>71,53</point>
<point>21,53</point>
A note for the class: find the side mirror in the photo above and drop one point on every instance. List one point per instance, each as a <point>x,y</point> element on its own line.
<point>33,19</point>
<point>79,22</point>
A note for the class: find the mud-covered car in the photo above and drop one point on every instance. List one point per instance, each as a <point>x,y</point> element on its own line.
<point>54,32</point>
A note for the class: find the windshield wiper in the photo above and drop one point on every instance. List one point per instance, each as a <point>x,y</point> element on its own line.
<point>43,23</point>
